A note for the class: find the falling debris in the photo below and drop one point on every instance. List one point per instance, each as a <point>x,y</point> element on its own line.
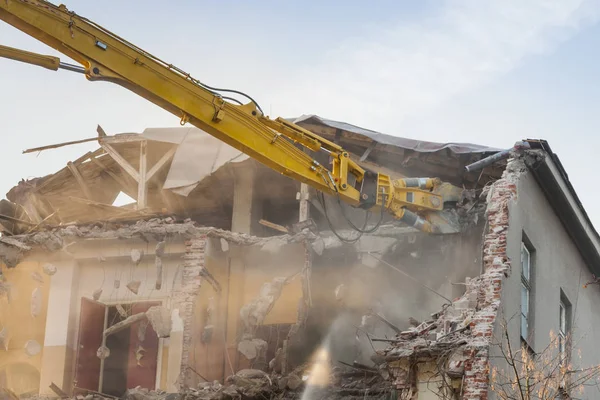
<point>121,311</point>
<point>119,326</point>
<point>159,251</point>
<point>49,269</point>
<point>208,328</point>
<point>160,318</point>
<point>252,348</point>
<point>36,302</point>
<point>32,348</point>
<point>97,293</point>
<point>159,272</point>
<point>136,256</point>
<point>117,284</point>
<point>139,354</point>
<point>103,352</point>
<point>36,276</point>
<point>141,332</point>
<point>339,292</point>
<point>134,286</point>
<point>255,312</point>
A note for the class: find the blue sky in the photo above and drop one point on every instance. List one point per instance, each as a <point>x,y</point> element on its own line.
<point>488,72</point>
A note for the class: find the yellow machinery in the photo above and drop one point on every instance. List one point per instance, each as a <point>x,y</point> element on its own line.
<point>276,143</point>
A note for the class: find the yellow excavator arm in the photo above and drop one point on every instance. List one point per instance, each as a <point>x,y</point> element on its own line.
<point>106,57</point>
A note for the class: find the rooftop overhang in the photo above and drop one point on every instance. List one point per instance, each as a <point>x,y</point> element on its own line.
<point>552,178</point>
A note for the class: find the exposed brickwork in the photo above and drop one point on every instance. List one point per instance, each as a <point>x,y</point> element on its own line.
<point>185,299</point>
<point>496,267</point>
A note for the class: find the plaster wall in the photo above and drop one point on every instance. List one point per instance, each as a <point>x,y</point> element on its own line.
<point>556,266</point>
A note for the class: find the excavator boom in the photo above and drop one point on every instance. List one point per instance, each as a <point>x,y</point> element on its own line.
<point>276,143</point>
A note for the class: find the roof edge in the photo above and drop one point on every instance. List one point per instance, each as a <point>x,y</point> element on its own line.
<point>553,180</point>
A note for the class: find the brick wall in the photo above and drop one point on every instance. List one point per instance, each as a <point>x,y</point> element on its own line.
<point>185,299</point>
<point>496,267</point>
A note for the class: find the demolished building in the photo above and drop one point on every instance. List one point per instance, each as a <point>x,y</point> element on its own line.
<point>222,268</point>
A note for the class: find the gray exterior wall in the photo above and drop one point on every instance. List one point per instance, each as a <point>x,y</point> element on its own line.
<point>556,265</point>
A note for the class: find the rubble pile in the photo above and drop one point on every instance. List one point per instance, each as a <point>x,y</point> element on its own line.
<point>444,340</point>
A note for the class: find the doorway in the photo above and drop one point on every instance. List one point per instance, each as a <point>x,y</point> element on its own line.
<point>133,358</point>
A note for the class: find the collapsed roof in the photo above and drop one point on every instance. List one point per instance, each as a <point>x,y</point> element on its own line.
<point>188,172</point>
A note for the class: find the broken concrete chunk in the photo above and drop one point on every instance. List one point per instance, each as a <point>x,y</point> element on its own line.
<point>36,276</point>
<point>139,393</point>
<point>252,348</point>
<point>159,251</point>
<point>224,245</point>
<point>49,269</point>
<point>134,286</point>
<point>4,338</point>
<point>32,348</point>
<point>318,246</point>
<point>339,292</point>
<point>10,256</point>
<point>254,313</point>
<point>139,354</point>
<point>103,352</point>
<point>97,293</point>
<point>136,256</point>
<point>159,272</point>
<point>160,318</point>
<point>456,365</point>
<point>36,302</point>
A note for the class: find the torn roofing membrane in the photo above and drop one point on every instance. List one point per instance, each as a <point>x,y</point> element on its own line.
<point>404,143</point>
<point>198,155</point>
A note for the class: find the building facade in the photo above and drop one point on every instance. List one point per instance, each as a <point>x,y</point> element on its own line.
<point>221,266</point>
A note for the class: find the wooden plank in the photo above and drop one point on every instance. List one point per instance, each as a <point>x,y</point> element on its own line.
<point>368,151</point>
<point>160,163</point>
<point>123,163</point>
<point>125,186</point>
<point>272,225</point>
<point>122,138</point>
<point>103,206</point>
<point>142,182</point>
<point>101,138</point>
<point>80,181</point>
<point>55,146</point>
<point>16,220</point>
<point>59,392</point>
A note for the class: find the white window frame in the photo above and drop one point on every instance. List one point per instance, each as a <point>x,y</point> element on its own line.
<point>563,329</point>
<point>525,291</point>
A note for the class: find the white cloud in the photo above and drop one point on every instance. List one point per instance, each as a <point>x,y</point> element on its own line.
<point>406,70</point>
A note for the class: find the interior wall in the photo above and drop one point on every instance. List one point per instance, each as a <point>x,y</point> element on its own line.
<point>348,284</point>
<point>214,359</point>
<point>19,370</point>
